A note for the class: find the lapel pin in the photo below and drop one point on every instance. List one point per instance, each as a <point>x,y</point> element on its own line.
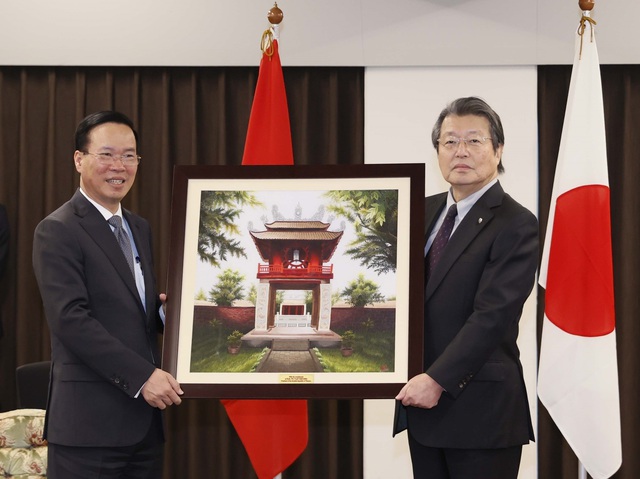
<point>479,220</point>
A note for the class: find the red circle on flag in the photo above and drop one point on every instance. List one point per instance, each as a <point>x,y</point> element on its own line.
<point>579,292</point>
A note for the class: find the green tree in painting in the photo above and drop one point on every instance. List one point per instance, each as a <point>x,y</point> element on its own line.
<point>374,215</point>
<point>279,299</point>
<point>362,291</point>
<point>219,211</point>
<point>252,295</point>
<point>335,297</point>
<point>308,300</point>
<point>228,288</point>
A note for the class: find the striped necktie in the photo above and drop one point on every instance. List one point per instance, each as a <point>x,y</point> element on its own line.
<point>440,241</point>
<point>123,240</point>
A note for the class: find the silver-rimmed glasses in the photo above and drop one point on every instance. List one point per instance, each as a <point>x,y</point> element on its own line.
<point>452,142</point>
<point>106,158</point>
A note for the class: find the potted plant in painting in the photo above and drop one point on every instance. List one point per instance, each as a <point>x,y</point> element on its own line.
<point>348,340</point>
<point>234,341</point>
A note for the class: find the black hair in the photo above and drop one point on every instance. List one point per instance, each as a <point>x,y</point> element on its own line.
<point>95,119</point>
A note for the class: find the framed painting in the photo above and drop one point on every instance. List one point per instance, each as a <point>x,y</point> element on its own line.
<point>295,281</point>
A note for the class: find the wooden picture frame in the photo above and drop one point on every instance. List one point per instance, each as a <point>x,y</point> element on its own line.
<point>292,238</point>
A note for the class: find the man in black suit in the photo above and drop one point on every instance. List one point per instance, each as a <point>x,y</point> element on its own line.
<point>4,253</point>
<point>468,415</point>
<point>106,390</point>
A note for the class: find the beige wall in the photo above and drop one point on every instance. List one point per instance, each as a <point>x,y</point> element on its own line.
<point>327,32</point>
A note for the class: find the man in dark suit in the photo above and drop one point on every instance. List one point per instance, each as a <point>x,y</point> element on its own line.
<point>468,415</point>
<point>106,390</point>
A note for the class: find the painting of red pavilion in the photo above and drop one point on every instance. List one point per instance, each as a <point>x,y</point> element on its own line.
<point>288,292</point>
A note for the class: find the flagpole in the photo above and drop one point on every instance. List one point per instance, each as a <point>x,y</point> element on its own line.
<point>582,472</point>
<point>274,432</point>
<point>586,6</point>
<point>275,16</point>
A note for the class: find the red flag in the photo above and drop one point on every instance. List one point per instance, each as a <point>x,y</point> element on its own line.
<point>578,372</point>
<point>274,432</point>
<point>269,133</point>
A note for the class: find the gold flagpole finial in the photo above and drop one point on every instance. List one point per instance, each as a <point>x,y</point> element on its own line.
<point>275,15</point>
<point>586,5</point>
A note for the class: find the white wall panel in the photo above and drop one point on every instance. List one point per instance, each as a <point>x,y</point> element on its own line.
<point>401,105</point>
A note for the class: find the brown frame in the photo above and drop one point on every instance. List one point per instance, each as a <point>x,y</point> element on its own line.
<point>339,385</point>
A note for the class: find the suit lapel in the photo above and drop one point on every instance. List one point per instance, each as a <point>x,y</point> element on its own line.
<point>98,229</point>
<point>473,223</point>
<point>432,208</point>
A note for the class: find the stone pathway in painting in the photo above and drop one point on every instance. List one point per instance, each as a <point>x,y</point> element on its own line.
<point>289,356</point>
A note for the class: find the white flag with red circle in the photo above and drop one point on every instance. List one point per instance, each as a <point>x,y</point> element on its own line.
<point>578,372</point>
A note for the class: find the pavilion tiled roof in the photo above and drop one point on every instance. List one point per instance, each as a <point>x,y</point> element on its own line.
<point>297,225</point>
<point>300,231</point>
<point>297,235</point>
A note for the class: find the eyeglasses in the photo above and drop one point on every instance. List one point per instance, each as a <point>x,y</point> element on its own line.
<point>452,142</point>
<point>128,159</point>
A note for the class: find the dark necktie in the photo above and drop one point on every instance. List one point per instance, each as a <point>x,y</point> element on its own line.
<point>123,240</point>
<point>440,241</point>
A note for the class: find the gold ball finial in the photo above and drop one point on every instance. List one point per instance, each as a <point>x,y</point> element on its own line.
<point>275,15</point>
<point>586,5</point>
